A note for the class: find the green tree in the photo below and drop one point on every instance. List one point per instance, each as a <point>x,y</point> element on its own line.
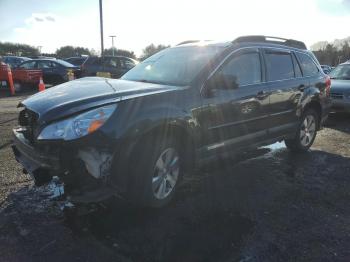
<point>120,52</point>
<point>329,55</point>
<point>18,49</point>
<point>151,50</point>
<point>69,51</point>
<point>345,52</point>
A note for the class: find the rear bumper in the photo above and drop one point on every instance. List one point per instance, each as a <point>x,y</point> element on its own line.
<point>340,105</point>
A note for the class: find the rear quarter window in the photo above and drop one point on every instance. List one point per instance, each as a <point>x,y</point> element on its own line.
<point>308,66</point>
<point>279,65</point>
<point>93,61</point>
<point>296,67</point>
<point>126,63</point>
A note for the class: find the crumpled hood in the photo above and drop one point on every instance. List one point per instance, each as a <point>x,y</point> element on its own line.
<point>340,86</point>
<point>81,94</point>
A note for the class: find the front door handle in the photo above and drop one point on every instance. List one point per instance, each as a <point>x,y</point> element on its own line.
<point>262,95</point>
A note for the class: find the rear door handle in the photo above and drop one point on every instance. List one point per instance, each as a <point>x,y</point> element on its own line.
<point>262,95</point>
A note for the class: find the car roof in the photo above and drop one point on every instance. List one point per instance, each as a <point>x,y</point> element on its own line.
<point>21,57</point>
<point>242,44</point>
<point>117,56</point>
<point>76,57</point>
<point>46,59</point>
<point>204,43</point>
<point>254,40</point>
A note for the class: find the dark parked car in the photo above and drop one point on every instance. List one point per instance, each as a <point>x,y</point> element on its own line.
<point>14,61</point>
<point>55,71</point>
<point>340,92</point>
<point>115,65</point>
<point>326,69</point>
<point>184,106</point>
<point>77,61</point>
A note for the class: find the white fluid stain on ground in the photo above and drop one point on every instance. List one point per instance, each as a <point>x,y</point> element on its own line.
<point>275,146</point>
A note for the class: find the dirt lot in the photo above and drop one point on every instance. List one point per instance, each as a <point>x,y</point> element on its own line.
<point>268,206</point>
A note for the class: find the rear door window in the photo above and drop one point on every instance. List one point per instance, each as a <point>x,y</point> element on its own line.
<point>44,64</point>
<point>308,66</point>
<point>94,61</point>
<point>111,62</point>
<point>279,65</point>
<point>29,65</point>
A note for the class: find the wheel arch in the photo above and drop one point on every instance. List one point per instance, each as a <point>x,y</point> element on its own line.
<point>315,105</point>
<point>121,178</point>
<point>182,134</point>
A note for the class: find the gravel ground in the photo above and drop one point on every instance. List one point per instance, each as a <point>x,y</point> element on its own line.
<point>269,205</point>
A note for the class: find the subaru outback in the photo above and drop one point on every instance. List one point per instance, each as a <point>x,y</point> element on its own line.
<point>137,136</point>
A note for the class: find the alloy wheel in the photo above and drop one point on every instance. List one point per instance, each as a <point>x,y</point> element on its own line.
<point>307,130</point>
<point>166,173</point>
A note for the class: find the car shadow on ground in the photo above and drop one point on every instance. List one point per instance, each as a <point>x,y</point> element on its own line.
<point>265,205</point>
<point>259,208</point>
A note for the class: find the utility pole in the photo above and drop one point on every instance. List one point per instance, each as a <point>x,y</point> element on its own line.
<point>101,28</point>
<point>40,46</point>
<point>112,36</point>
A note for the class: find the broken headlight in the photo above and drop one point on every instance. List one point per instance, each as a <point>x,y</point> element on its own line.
<point>79,125</point>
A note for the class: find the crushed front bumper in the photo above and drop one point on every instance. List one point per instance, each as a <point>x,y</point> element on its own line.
<point>79,185</point>
<point>41,166</point>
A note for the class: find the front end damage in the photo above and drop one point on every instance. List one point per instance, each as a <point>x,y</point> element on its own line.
<point>76,173</point>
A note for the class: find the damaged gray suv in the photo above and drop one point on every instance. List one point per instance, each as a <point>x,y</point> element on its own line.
<point>136,137</point>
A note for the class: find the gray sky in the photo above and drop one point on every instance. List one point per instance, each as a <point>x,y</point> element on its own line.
<point>137,23</point>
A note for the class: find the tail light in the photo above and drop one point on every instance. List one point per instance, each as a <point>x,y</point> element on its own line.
<point>328,86</point>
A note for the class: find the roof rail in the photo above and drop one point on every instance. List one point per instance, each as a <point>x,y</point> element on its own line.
<point>271,39</point>
<point>188,42</point>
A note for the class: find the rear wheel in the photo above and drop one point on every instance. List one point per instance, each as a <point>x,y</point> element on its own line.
<point>306,132</point>
<point>156,172</point>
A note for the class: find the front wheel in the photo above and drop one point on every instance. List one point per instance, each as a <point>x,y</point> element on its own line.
<point>306,132</point>
<point>157,172</point>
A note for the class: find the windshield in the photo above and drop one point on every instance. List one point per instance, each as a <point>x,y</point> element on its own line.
<point>64,63</point>
<point>341,72</point>
<point>173,66</point>
<point>76,61</point>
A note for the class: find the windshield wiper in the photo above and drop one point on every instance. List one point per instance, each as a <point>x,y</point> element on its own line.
<point>144,81</point>
<point>151,82</point>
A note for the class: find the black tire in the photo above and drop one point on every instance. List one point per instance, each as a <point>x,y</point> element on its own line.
<point>296,144</point>
<point>144,170</point>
